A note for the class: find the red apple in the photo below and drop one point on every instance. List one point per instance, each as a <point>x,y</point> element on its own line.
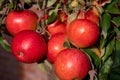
<point>17,21</point>
<point>71,64</point>
<point>55,45</point>
<point>28,46</point>
<point>56,27</point>
<point>90,15</point>
<point>82,33</point>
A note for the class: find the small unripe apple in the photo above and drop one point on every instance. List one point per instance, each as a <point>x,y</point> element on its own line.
<point>17,21</point>
<point>82,33</point>
<point>28,46</point>
<point>71,64</point>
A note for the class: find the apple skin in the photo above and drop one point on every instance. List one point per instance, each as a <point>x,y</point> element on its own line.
<point>28,46</point>
<point>71,64</point>
<point>56,27</point>
<point>90,15</point>
<point>55,45</point>
<point>82,33</point>
<point>17,21</point>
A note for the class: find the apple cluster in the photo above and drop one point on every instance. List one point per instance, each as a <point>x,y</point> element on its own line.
<point>28,46</point>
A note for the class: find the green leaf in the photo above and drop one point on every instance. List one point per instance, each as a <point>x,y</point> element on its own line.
<point>94,57</point>
<point>110,36</point>
<point>116,21</point>
<point>117,31</point>
<point>102,42</point>
<point>105,23</point>
<point>115,70</point>
<point>117,53</point>
<point>66,44</point>
<point>4,44</point>
<point>114,74</point>
<point>108,50</point>
<point>52,18</point>
<point>10,5</point>
<point>112,7</point>
<point>105,69</point>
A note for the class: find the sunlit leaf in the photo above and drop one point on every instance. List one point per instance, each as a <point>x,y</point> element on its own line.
<point>74,3</point>
<point>50,2</point>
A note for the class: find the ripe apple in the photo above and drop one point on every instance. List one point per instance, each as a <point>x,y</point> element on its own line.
<point>90,15</point>
<point>17,21</point>
<point>55,45</point>
<point>71,64</point>
<point>28,46</point>
<point>56,27</point>
<point>82,33</point>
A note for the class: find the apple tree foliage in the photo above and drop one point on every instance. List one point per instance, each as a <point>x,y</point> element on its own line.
<point>106,66</point>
